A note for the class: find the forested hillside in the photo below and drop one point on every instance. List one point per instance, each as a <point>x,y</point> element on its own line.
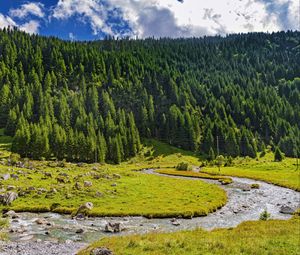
<point>87,101</point>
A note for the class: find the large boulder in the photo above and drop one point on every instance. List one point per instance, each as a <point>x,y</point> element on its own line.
<point>101,251</point>
<point>11,214</point>
<point>8,198</point>
<point>84,208</point>
<point>114,227</point>
<point>286,209</point>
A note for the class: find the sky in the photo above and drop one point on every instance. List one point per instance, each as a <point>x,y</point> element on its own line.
<point>95,19</point>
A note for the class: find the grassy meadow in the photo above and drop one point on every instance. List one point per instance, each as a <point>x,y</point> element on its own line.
<point>253,237</point>
<point>200,175</point>
<point>283,173</point>
<point>116,190</point>
<point>121,190</point>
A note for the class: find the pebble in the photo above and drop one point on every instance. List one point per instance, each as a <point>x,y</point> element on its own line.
<point>40,247</point>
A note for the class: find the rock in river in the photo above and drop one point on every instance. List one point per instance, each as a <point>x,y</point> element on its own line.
<point>79,231</point>
<point>114,227</point>
<point>175,222</point>
<point>11,214</point>
<point>286,209</point>
<point>41,221</point>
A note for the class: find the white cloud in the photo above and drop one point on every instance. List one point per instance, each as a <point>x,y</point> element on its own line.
<point>35,9</point>
<point>31,27</point>
<point>6,21</point>
<point>91,11</point>
<point>294,14</point>
<point>72,37</point>
<point>175,18</point>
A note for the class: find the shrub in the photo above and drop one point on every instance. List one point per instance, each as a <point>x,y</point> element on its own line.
<point>211,154</point>
<point>61,163</point>
<point>14,158</point>
<point>203,163</point>
<point>265,215</point>
<point>219,161</point>
<point>148,153</point>
<point>262,154</point>
<point>183,166</point>
<point>225,181</point>
<point>229,161</point>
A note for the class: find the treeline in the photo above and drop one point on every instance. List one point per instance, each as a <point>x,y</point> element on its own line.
<point>88,101</point>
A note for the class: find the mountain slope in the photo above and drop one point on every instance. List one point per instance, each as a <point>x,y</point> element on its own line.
<point>91,101</point>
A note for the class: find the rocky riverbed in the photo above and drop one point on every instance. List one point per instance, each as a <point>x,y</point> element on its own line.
<point>50,233</point>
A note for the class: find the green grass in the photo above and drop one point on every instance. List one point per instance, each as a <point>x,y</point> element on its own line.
<point>195,175</point>
<point>135,193</point>
<point>3,225</point>
<point>280,173</point>
<point>163,155</point>
<point>249,238</point>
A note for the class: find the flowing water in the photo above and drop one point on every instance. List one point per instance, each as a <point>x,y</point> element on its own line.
<point>241,206</point>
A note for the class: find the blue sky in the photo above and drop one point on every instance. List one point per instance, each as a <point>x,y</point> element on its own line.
<point>93,19</point>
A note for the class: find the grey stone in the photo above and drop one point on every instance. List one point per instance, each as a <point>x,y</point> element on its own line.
<point>114,227</point>
<point>79,231</point>
<point>11,214</point>
<point>101,251</point>
<point>11,187</point>
<point>286,209</point>
<point>8,197</point>
<point>88,184</point>
<point>5,177</point>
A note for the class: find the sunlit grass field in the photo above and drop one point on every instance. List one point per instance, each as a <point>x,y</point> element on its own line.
<point>276,237</point>
<point>195,175</point>
<point>283,173</point>
<point>121,190</point>
<point>134,193</point>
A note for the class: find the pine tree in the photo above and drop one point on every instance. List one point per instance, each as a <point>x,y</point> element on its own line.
<point>278,156</point>
<point>211,154</point>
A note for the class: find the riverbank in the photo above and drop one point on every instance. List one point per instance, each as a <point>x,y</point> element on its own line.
<point>243,205</point>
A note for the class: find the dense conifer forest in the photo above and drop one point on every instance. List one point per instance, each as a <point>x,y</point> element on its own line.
<point>94,101</point>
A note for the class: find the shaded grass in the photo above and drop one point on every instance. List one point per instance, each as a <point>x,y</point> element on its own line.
<point>5,144</point>
<point>162,155</point>
<point>253,237</point>
<point>3,225</point>
<point>265,169</point>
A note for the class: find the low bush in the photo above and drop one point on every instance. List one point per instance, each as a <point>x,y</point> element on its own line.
<point>265,215</point>
<point>262,154</point>
<point>183,167</point>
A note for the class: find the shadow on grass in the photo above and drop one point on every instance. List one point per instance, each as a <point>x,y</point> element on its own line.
<point>162,149</point>
<point>5,141</point>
